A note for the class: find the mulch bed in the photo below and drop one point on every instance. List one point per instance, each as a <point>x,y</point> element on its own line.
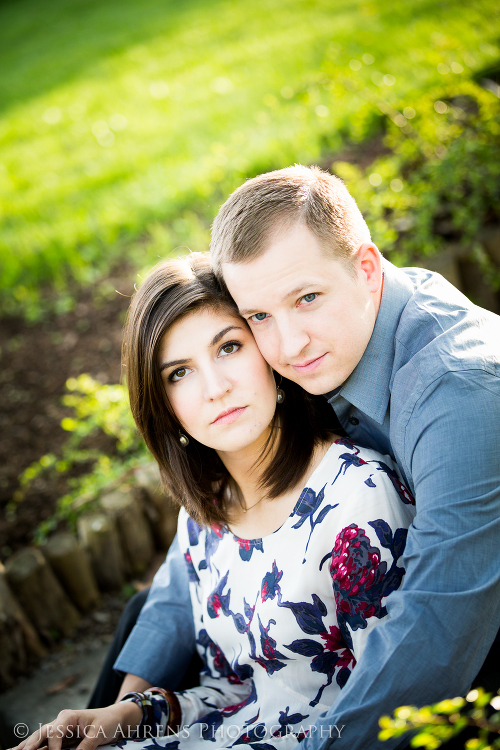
<point>35,362</point>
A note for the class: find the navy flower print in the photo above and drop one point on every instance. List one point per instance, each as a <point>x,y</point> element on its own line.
<point>310,502</point>
<point>247,546</point>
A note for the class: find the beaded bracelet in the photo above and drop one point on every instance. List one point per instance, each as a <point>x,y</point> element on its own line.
<point>148,720</point>
<point>173,714</point>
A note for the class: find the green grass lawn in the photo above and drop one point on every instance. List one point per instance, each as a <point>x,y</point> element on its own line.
<point>125,124</point>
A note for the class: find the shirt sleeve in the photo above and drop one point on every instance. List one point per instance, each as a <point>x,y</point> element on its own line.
<point>444,618</point>
<point>162,643</point>
<point>222,695</point>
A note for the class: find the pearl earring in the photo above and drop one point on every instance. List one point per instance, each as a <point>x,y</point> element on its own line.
<point>183,440</point>
<point>280,395</point>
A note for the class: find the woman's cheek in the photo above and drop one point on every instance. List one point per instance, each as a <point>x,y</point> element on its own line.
<point>183,409</point>
<point>188,417</point>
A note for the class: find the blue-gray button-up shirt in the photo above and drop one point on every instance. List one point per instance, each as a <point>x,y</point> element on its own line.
<point>426,391</point>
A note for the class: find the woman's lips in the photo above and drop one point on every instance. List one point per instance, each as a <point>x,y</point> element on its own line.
<point>310,365</point>
<point>229,415</point>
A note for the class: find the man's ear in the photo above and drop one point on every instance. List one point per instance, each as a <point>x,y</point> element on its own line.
<point>370,265</point>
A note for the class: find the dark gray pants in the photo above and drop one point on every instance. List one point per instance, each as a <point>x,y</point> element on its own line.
<point>109,682</point>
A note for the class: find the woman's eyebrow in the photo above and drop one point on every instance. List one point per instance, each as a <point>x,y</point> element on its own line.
<point>172,363</point>
<point>222,333</point>
<point>215,340</point>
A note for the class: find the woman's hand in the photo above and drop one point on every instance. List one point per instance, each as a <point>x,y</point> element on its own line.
<point>86,728</point>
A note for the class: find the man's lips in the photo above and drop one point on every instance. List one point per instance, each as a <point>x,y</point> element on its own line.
<point>309,365</point>
<point>229,415</point>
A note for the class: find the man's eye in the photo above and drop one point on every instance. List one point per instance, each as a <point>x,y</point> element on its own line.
<point>258,317</point>
<point>178,374</point>
<point>310,297</point>
<point>229,348</point>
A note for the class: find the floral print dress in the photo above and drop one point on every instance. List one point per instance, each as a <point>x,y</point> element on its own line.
<point>281,621</point>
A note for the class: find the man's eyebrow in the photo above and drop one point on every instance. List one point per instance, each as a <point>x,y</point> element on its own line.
<point>292,293</point>
<point>221,334</point>
<point>215,340</point>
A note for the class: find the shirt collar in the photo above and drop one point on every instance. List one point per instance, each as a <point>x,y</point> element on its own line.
<point>368,387</point>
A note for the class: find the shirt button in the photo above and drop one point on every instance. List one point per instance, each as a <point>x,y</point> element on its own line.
<point>353,420</point>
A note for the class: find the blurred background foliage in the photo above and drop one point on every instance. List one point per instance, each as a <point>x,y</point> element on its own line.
<point>124,125</point>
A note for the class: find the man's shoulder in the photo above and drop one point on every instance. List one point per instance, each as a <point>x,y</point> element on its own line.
<point>441,331</point>
<point>445,370</point>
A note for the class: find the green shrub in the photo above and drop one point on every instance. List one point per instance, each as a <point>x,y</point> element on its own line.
<point>433,726</point>
<point>441,180</point>
<point>97,409</point>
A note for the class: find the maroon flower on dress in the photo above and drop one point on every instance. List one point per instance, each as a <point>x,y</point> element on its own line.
<point>335,642</point>
<point>360,577</point>
<point>355,563</point>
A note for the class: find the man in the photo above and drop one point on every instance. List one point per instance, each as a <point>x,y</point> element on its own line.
<point>412,369</point>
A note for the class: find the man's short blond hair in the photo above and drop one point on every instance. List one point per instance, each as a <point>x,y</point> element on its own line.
<point>276,201</point>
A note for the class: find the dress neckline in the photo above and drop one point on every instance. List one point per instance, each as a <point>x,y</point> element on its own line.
<point>308,481</point>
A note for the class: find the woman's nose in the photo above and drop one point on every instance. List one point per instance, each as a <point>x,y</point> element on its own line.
<point>216,385</point>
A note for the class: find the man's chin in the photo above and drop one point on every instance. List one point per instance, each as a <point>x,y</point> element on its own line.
<point>316,386</point>
<point>316,389</point>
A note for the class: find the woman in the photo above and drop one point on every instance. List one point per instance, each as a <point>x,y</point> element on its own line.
<point>291,535</point>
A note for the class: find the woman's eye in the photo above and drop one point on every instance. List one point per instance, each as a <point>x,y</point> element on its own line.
<point>310,297</point>
<point>178,374</point>
<point>229,348</point>
<point>258,317</point>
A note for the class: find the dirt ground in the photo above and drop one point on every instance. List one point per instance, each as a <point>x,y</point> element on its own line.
<point>35,362</point>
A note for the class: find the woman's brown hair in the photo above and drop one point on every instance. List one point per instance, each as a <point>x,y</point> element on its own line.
<point>195,475</point>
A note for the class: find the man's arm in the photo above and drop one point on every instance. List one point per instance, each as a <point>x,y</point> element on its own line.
<point>446,615</point>
<point>162,643</point>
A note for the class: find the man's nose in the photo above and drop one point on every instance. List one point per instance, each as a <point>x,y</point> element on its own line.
<point>293,339</point>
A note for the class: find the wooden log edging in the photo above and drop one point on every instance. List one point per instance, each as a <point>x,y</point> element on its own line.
<point>19,642</point>
<point>125,507</point>
<point>40,594</point>
<point>99,536</point>
<point>44,590</point>
<point>159,508</point>
<point>71,564</point>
